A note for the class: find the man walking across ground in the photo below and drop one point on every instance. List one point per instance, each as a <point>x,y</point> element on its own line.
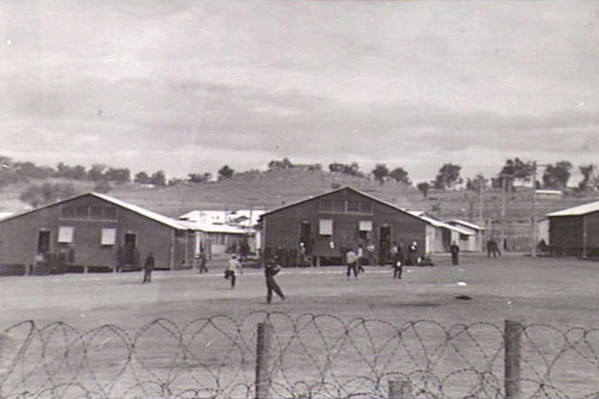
<point>231,270</point>
<point>148,268</point>
<point>202,260</point>
<point>398,262</point>
<point>270,271</point>
<point>360,259</point>
<point>351,259</point>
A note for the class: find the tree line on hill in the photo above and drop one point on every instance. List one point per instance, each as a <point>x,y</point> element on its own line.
<point>514,172</point>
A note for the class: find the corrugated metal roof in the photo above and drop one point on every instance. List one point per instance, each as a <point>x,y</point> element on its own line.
<point>134,208</point>
<point>466,224</point>
<point>213,228</point>
<point>338,190</point>
<point>583,209</point>
<point>144,212</point>
<point>437,223</point>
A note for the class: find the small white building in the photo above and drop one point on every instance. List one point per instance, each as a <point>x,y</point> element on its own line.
<point>440,235</point>
<point>221,232</point>
<point>218,240</point>
<point>476,238</point>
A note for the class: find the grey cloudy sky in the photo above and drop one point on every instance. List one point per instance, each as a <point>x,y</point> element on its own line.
<point>188,86</point>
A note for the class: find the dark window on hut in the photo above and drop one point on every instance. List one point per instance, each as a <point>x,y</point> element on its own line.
<point>332,206</point>
<point>326,205</point>
<point>110,213</point>
<point>81,212</point>
<point>67,212</point>
<point>96,212</point>
<point>353,206</point>
<point>338,206</point>
<point>366,207</point>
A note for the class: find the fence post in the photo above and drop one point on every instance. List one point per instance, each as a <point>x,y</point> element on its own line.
<point>513,345</point>
<point>263,377</point>
<point>400,389</point>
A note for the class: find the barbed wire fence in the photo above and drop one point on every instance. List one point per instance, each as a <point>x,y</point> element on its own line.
<point>278,355</point>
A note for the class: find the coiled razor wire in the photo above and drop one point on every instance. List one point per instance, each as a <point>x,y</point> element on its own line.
<point>311,356</point>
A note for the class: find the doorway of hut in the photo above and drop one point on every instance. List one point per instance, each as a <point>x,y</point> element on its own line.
<point>130,253</point>
<point>43,242</point>
<point>384,245</point>
<point>305,245</point>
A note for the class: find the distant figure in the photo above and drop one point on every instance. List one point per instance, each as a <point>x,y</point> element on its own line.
<point>398,262</point>
<point>412,254</point>
<point>351,259</point>
<point>202,260</point>
<point>231,270</point>
<point>148,268</point>
<point>244,250</point>
<point>360,259</point>
<point>455,253</point>
<point>371,253</point>
<point>542,247</point>
<point>492,249</point>
<point>270,271</point>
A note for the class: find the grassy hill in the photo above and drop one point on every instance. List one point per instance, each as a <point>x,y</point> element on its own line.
<point>269,190</point>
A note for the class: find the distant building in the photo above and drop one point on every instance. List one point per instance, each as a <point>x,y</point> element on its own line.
<point>245,218</point>
<point>218,240</point>
<point>575,231</point>
<point>474,240</point>
<point>327,224</point>
<point>440,235</point>
<point>222,232</point>
<point>92,231</point>
<point>549,194</point>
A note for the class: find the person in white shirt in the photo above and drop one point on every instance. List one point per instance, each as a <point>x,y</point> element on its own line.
<point>231,270</point>
<point>351,259</point>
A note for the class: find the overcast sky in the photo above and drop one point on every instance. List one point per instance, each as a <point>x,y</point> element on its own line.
<point>189,86</point>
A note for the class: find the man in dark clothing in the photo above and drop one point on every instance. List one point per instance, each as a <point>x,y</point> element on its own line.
<point>492,248</point>
<point>455,251</point>
<point>270,271</point>
<point>398,262</point>
<point>202,259</point>
<point>148,267</point>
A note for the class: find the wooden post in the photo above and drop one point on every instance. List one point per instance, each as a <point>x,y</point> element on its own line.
<point>400,389</point>
<point>263,377</point>
<point>513,344</point>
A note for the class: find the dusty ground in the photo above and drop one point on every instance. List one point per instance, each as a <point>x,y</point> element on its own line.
<point>138,357</point>
<point>542,290</point>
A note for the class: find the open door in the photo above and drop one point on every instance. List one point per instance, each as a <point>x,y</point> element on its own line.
<point>130,257</point>
<point>384,245</point>
<point>43,242</point>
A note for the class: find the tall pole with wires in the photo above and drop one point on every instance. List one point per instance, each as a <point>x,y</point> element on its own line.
<point>533,249</point>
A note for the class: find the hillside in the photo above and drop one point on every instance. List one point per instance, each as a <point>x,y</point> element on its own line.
<point>269,190</point>
<point>266,190</point>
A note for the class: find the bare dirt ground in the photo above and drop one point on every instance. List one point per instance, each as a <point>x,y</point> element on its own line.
<point>139,357</point>
<point>556,291</point>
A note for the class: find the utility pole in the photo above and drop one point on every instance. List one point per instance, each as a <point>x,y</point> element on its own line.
<point>481,199</point>
<point>481,206</point>
<point>503,206</point>
<point>533,249</point>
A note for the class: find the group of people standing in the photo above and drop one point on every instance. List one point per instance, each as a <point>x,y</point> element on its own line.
<point>354,260</point>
